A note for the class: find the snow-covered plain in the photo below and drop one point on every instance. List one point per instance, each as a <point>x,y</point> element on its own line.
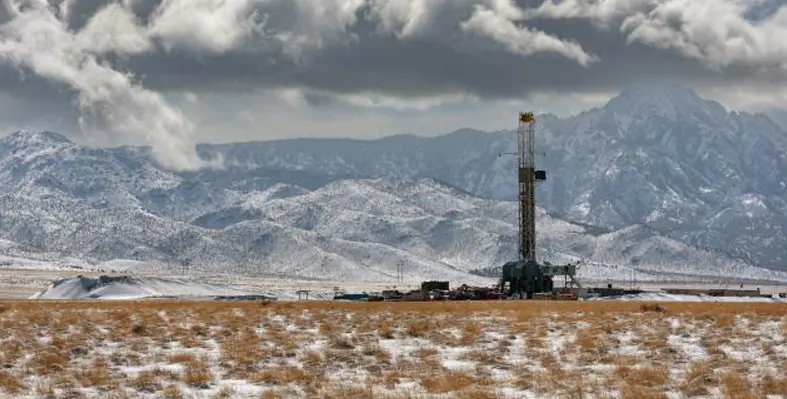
<point>195,349</point>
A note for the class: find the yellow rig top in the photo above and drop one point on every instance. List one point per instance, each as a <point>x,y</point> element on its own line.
<point>527,117</point>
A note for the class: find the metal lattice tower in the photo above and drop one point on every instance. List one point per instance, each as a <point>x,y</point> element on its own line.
<point>528,177</point>
<point>524,278</point>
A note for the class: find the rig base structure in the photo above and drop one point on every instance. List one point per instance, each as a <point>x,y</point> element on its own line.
<point>521,279</point>
<point>524,279</point>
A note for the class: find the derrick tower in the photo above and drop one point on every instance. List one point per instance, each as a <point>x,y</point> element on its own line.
<point>525,277</point>
<point>528,177</point>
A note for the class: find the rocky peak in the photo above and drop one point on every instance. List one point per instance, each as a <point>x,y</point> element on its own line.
<point>36,139</point>
<point>666,100</point>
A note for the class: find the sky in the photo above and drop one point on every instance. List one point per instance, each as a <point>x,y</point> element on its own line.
<point>169,73</point>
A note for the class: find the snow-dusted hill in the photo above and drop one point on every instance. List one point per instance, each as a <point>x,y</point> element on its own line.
<point>63,200</point>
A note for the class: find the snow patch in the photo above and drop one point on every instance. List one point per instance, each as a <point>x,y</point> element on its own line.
<point>127,287</point>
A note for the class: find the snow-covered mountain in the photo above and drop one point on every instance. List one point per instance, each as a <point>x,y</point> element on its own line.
<point>660,155</point>
<point>656,155</point>
<point>657,180</point>
<point>64,200</point>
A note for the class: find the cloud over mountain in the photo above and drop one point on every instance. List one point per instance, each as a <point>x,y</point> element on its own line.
<point>125,61</point>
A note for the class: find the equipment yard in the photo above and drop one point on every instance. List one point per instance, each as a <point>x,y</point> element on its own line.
<point>329,349</point>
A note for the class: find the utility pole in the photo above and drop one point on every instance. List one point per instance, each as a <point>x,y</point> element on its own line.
<point>186,263</point>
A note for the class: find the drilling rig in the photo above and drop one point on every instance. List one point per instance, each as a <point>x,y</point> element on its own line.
<point>525,277</point>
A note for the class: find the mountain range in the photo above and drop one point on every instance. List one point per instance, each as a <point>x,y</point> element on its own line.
<point>658,183</point>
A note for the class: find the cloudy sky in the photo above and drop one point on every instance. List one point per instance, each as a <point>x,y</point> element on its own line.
<point>171,72</point>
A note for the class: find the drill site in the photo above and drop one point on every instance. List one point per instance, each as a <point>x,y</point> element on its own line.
<point>527,278</point>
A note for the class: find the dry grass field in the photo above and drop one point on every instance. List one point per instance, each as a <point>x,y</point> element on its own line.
<point>512,349</point>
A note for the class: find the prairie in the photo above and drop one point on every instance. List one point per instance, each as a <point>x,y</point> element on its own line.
<point>508,349</point>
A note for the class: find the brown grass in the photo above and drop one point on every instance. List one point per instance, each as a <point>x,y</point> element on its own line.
<point>172,392</point>
<point>477,393</point>
<point>146,381</point>
<point>629,391</point>
<point>774,385</point>
<point>281,375</point>
<point>196,374</point>
<point>98,375</point>
<point>699,377</point>
<point>586,339</point>
<point>270,345</point>
<point>269,394</point>
<point>448,382</point>
<point>471,332</point>
<point>648,376</point>
<point>418,327</point>
<point>736,386</point>
<point>182,357</point>
<point>10,383</point>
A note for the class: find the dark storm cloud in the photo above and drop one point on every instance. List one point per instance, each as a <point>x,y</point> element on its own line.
<point>371,53</point>
<point>424,67</point>
<point>114,57</point>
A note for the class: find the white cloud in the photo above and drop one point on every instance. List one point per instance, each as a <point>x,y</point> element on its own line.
<point>108,100</point>
<point>714,32</point>
<point>300,97</point>
<point>493,19</point>
<point>214,26</point>
<point>113,29</point>
<point>317,25</point>
<point>498,24</point>
<point>372,100</point>
<point>407,18</point>
<point>601,12</point>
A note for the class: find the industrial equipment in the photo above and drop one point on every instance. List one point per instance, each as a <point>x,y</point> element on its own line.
<point>525,277</point>
<point>435,286</point>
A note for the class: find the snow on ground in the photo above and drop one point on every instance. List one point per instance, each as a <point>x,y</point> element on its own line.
<point>7,262</point>
<point>128,287</point>
<point>120,264</point>
<point>198,349</point>
<point>665,297</point>
<point>66,263</point>
<point>139,287</point>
